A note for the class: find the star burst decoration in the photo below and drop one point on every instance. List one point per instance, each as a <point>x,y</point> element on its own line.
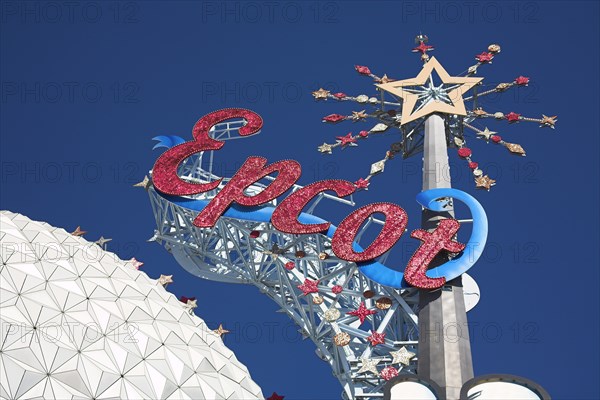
<point>402,356</point>
<point>376,338</point>
<point>368,365</point>
<point>362,312</point>
<point>432,91</point>
<point>309,287</point>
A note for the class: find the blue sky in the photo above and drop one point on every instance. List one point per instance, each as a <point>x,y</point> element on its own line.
<point>85,87</point>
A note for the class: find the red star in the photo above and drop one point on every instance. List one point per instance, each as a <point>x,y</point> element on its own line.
<point>334,118</point>
<point>275,396</point>
<point>422,48</point>
<point>522,80</point>
<point>484,57</point>
<point>309,287</point>
<point>362,312</point>
<point>362,70</point>
<point>376,338</point>
<point>513,117</point>
<point>346,140</point>
<point>361,183</point>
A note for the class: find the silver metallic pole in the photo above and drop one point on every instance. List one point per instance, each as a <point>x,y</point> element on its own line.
<point>444,347</point>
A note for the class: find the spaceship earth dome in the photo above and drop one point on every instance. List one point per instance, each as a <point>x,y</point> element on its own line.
<point>78,322</point>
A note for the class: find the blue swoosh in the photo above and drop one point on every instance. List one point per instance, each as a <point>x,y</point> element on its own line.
<point>374,270</point>
<point>167,141</point>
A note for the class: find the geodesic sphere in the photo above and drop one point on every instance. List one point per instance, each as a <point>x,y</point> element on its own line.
<point>78,322</point>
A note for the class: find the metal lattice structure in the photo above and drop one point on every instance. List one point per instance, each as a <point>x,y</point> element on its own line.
<point>361,328</point>
<point>251,252</point>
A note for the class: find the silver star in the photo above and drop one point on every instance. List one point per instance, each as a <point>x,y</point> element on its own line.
<point>368,364</point>
<point>402,356</point>
<point>486,134</point>
<point>191,305</point>
<point>102,241</point>
<point>325,148</point>
<point>145,183</point>
<point>164,280</point>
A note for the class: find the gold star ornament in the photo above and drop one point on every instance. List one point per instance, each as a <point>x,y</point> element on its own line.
<point>484,182</point>
<point>454,105</point>
<point>78,232</point>
<point>164,280</point>
<point>325,148</point>
<point>320,94</point>
<point>145,183</point>
<point>221,331</point>
<point>359,115</point>
<point>548,121</point>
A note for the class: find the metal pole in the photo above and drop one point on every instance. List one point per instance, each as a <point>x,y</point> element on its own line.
<point>444,347</point>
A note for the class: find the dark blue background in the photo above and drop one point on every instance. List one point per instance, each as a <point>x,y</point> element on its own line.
<point>85,88</point>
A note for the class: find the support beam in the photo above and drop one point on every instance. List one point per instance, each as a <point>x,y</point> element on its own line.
<point>444,346</point>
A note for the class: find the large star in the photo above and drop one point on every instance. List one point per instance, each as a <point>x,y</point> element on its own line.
<point>443,100</point>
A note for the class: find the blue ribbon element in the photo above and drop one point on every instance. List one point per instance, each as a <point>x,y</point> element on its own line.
<point>375,270</point>
<point>167,141</point>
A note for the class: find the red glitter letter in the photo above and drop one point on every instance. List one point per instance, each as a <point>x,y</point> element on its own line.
<point>434,242</point>
<point>164,174</point>
<point>285,216</point>
<point>251,172</point>
<point>395,224</point>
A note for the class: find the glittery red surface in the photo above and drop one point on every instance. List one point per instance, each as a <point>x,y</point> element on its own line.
<point>362,312</point>
<point>362,69</point>
<point>346,140</point>
<point>309,287</point>
<point>522,80</point>
<point>395,223</point>
<point>433,242</point>
<point>290,265</point>
<point>334,118</point>
<point>388,373</point>
<point>339,95</point>
<point>285,216</point>
<point>376,338</point>
<point>337,289</point>
<point>473,165</point>
<point>484,57</point>
<point>362,183</point>
<point>253,170</point>
<point>464,152</point>
<point>164,173</point>
<point>423,48</point>
<point>496,138</point>
<point>363,134</point>
<point>513,116</point>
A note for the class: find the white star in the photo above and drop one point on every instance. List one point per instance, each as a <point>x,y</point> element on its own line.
<point>486,134</point>
<point>368,365</point>
<point>402,356</point>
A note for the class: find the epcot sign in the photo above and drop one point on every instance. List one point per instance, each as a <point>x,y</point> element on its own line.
<point>285,217</point>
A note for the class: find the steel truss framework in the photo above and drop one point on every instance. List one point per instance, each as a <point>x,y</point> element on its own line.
<point>232,252</point>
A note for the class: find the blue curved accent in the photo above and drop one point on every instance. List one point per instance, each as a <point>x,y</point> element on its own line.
<point>374,270</point>
<point>475,245</point>
<point>167,141</point>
